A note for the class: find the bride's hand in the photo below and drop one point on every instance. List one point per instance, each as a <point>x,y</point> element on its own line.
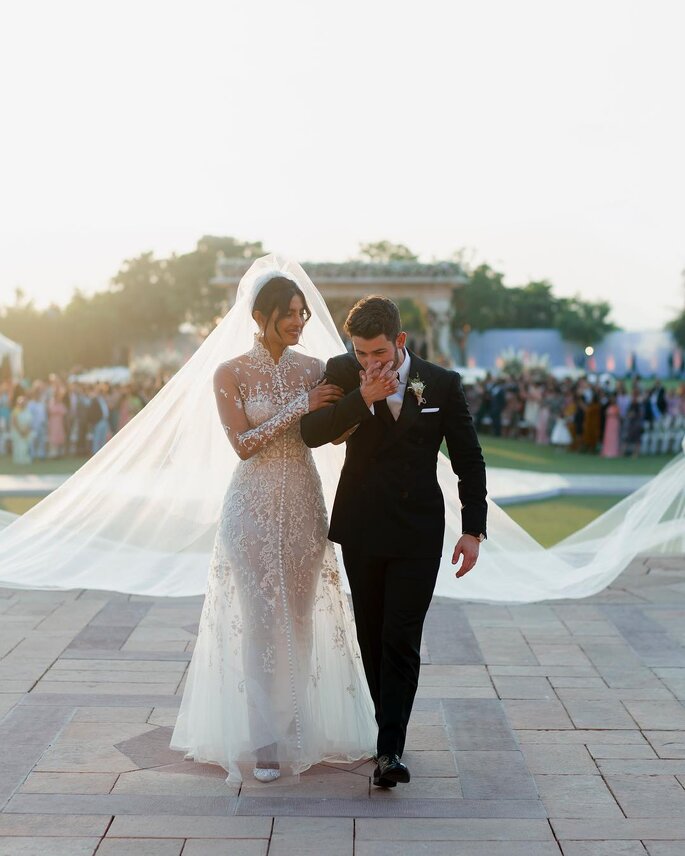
<point>323,395</point>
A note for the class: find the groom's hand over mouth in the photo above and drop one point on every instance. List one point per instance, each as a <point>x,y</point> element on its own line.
<point>378,382</point>
<point>468,547</point>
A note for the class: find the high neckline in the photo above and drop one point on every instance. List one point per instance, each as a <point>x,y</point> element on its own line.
<point>263,356</point>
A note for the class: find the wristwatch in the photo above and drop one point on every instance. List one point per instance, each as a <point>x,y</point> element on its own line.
<point>480,536</point>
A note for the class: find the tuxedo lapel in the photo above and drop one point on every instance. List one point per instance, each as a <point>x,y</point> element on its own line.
<point>410,405</point>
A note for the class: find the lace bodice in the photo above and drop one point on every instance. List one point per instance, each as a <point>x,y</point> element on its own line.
<point>260,400</point>
<point>276,673</point>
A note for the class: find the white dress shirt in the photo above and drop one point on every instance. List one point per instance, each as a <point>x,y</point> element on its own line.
<point>395,400</point>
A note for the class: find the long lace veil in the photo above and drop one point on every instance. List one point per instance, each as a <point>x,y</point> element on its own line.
<point>140,516</point>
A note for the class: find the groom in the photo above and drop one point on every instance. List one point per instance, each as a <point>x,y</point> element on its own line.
<point>389,513</point>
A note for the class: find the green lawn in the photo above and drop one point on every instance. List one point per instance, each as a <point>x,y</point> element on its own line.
<point>17,504</point>
<point>40,468</point>
<point>526,455</point>
<point>550,520</point>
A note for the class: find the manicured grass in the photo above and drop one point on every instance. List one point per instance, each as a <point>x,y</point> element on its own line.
<point>550,520</point>
<point>41,468</point>
<point>526,455</point>
<point>17,504</point>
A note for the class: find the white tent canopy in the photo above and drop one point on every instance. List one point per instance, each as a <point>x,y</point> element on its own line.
<point>15,352</point>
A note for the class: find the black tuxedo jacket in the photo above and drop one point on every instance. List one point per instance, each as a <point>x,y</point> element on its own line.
<point>388,500</point>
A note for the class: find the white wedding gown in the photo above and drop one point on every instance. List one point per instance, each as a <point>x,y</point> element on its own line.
<point>276,665</point>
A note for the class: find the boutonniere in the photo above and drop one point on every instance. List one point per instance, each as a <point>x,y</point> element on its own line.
<point>417,386</point>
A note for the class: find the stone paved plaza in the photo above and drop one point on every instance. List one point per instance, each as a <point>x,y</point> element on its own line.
<point>538,730</point>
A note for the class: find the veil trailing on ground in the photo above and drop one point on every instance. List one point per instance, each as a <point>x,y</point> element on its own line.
<point>141,515</point>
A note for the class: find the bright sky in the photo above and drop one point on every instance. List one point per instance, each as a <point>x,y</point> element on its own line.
<point>548,137</point>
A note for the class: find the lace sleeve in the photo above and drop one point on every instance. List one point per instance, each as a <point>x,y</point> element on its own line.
<point>245,440</point>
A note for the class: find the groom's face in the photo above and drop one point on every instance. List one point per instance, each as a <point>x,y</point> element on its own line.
<point>379,350</point>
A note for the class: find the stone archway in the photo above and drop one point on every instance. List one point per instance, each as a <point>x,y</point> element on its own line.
<point>429,285</point>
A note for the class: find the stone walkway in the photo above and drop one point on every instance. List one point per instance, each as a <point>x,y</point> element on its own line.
<point>538,731</point>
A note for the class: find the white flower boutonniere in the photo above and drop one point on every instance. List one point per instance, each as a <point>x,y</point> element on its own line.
<point>417,386</point>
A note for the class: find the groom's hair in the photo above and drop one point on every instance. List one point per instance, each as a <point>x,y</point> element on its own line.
<point>374,316</point>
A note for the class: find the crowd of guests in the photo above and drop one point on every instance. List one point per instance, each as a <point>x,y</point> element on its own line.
<point>608,417</point>
<point>56,418</point>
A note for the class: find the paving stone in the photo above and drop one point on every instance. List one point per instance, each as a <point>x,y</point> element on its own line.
<point>559,655</point>
<point>664,848</point>
<point>589,682</point>
<point>599,714</point>
<point>494,775</point>
<point>618,737</point>
<point>657,714</point>
<point>422,787</point>
<point>33,825</point>
<point>602,848</point>
<point>69,783</point>
<point>79,664</point>
<point>122,804</point>
<point>450,675</point>
<point>449,637</point>
<point>431,764</point>
<point>312,806</point>
<point>610,693</point>
<point>221,847</point>
<point>24,734</point>
<point>477,724</point>
<point>143,847</point>
<point>45,846</point>
<point>633,751</point>
<point>523,688</point>
<point>455,692</point>
<point>101,687</point>
<point>620,677</point>
<point>625,828</point>
<point>189,826</point>
<point>667,744</point>
<point>163,716</point>
<point>647,796</point>
<point>638,767</point>
<point>504,647</point>
<point>462,848</point>
<point>576,796</point>
<point>162,783</point>
<point>674,680</point>
<point>562,759</point>
<point>537,713</point>
<point>544,671</point>
<point>427,737</point>
<point>458,829</point>
<point>295,836</point>
<point>112,714</point>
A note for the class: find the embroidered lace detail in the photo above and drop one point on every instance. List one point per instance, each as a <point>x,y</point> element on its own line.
<point>276,663</point>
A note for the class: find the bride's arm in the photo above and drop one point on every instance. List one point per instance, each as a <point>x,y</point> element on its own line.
<point>245,440</point>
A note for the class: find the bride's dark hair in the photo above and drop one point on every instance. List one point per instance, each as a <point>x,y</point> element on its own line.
<point>275,296</point>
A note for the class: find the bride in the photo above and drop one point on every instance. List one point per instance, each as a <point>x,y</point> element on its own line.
<point>275,675</point>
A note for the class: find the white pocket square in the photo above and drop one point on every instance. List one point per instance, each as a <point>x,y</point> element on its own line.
<point>430,410</point>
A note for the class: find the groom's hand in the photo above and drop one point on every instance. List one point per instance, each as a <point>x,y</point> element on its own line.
<point>467,547</point>
<point>377,382</point>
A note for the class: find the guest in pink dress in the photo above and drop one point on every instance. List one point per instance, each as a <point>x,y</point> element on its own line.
<point>611,444</point>
<point>57,435</point>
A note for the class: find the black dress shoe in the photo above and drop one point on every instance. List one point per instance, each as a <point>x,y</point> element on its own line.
<point>390,771</point>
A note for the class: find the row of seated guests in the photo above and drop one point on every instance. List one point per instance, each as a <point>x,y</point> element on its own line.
<point>576,415</point>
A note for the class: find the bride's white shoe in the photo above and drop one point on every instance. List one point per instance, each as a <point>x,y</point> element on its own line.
<point>266,774</point>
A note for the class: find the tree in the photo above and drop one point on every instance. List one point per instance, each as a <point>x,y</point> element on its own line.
<point>533,305</point>
<point>677,325</point>
<point>386,251</point>
<point>583,322</point>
